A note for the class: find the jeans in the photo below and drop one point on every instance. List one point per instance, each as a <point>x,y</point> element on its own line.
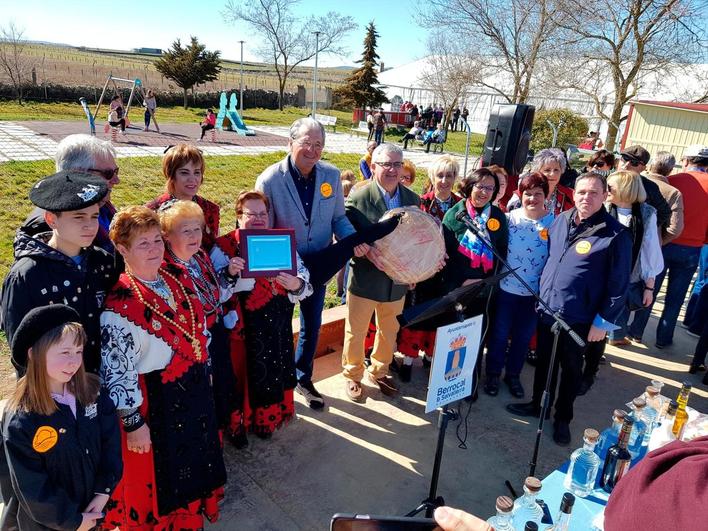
<point>701,324</point>
<point>569,358</point>
<point>515,316</point>
<point>691,320</point>
<point>378,136</point>
<point>310,322</point>
<point>680,262</point>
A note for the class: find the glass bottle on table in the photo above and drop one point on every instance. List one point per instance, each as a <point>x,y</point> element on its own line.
<point>584,464</point>
<point>651,411</point>
<point>636,438</point>
<point>530,526</point>
<point>681,414</point>
<point>562,521</point>
<point>658,384</point>
<point>618,458</point>
<point>502,520</point>
<point>525,507</point>
<point>609,436</point>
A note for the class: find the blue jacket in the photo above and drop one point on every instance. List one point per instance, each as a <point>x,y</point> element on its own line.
<point>586,276</point>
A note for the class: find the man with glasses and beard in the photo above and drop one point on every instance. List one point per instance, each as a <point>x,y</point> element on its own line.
<point>88,154</point>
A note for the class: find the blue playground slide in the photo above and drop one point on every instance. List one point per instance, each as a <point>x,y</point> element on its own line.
<point>235,119</point>
<point>222,112</point>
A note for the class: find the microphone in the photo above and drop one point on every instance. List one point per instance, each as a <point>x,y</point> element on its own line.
<point>465,218</point>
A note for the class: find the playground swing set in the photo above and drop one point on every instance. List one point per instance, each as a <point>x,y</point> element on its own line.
<point>137,90</point>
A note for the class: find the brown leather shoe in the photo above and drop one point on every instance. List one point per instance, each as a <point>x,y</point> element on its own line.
<point>619,342</point>
<point>354,391</point>
<point>385,383</point>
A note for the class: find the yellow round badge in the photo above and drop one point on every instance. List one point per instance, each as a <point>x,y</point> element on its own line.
<point>543,234</point>
<point>326,189</point>
<point>45,438</point>
<point>493,224</point>
<point>583,247</point>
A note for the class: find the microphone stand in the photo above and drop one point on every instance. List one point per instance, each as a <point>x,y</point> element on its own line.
<point>558,325</point>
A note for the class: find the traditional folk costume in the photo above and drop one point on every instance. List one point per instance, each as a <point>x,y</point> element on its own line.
<point>214,288</point>
<point>262,342</point>
<point>211,216</point>
<point>154,365</point>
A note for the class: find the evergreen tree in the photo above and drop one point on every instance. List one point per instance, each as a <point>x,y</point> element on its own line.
<point>359,89</point>
<point>190,65</point>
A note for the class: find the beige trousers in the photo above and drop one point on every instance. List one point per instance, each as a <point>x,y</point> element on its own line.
<point>359,311</point>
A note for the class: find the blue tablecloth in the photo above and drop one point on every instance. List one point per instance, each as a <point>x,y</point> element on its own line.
<point>585,510</point>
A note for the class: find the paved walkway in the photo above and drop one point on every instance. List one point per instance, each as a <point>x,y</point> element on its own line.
<point>36,140</point>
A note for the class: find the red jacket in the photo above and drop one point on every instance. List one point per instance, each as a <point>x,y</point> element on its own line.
<point>693,185</point>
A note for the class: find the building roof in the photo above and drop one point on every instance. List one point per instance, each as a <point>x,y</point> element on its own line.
<point>700,107</point>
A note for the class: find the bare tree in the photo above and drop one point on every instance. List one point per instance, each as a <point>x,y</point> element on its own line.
<point>628,42</point>
<point>13,61</point>
<point>289,40</point>
<point>449,72</point>
<point>508,38</point>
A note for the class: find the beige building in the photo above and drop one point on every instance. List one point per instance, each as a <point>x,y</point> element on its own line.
<point>666,126</point>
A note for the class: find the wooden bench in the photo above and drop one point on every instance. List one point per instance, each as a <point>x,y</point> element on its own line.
<point>363,128</point>
<point>326,120</point>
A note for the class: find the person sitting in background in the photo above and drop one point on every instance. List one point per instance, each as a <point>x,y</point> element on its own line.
<point>183,170</point>
<point>407,173</point>
<point>414,133</point>
<point>208,123</point>
<point>436,137</point>
<point>515,317</point>
<point>660,168</point>
<point>626,203</point>
<point>551,163</point>
<point>365,161</point>
<point>116,113</point>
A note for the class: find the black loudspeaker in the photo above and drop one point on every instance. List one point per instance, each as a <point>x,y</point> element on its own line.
<point>508,137</point>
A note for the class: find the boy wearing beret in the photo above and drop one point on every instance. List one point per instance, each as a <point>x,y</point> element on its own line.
<point>61,266</point>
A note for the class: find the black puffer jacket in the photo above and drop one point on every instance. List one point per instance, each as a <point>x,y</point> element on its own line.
<point>42,275</point>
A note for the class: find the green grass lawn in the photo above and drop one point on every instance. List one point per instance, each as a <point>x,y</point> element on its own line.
<point>10,110</point>
<point>141,180</point>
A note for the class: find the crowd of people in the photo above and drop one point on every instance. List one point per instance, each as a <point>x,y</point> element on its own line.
<point>139,340</point>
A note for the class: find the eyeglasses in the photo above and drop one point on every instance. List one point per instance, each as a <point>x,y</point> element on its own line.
<point>488,189</point>
<point>256,215</point>
<point>389,165</point>
<point>599,164</point>
<point>309,145</point>
<point>106,174</point>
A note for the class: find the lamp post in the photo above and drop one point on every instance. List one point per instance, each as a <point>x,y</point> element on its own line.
<point>314,91</point>
<point>240,85</point>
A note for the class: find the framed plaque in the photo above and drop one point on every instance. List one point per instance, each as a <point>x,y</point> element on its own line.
<point>267,252</point>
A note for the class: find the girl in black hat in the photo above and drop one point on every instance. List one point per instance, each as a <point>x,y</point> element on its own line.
<point>61,456</point>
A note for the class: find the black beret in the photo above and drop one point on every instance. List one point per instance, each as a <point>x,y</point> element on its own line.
<point>35,324</point>
<point>68,190</point>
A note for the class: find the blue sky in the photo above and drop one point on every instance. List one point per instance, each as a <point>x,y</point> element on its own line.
<point>156,23</point>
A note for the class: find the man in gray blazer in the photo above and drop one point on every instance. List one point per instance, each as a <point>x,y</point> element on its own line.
<point>305,194</point>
